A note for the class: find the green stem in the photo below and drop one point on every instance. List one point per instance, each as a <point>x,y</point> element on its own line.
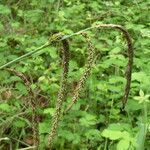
<point>41,47</point>
<point>111,26</point>
<point>27,148</point>
<point>24,56</point>
<point>145,117</point>
<point>143,129</point>
<point>106,143</point>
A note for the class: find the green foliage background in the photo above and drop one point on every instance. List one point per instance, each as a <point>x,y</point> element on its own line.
<point>96,121</point>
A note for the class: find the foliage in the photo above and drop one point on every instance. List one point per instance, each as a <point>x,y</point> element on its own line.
<point>96,120</point>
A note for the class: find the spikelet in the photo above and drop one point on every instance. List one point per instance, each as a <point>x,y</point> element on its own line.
<point>61,94</point>
<point>87,71</point>
<point>32,104</point>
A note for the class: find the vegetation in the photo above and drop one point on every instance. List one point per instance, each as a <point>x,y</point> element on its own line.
<point>87,106</point>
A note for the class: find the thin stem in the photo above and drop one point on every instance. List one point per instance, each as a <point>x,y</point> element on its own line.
<point>145,116</point>
<point>24,56</point>
<point>111,26</point>
<point>61,95</point>
<point>130,58</point>
<point>39,48</point>
<point>27,148</point>
<point>106,144</point>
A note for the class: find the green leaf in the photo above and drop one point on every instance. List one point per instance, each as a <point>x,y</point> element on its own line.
<point>5,107</point>
<point>139,76</point>
<point>49,111</point>
<point>52,52</point>
<point>116,127</point>
<point>33,15</point>
<point>93,134</point>
<point>14,79</point>
<point>116,79</point>
<point>21,88</point>
<point>4,10</point>
<point>88,120</point>
<point>126,135</point>
<point>1,28</point>
<point>44,127</point>
<point>115,50</point>
<point>19,123</point>
<point>77,139</point>
<point>112,135</point>
<point>73,65</point>
<point>141,93</point>
<point>133,105</point>
<point>123,145</point>
<point>67,135</point>
<point>145,33</point>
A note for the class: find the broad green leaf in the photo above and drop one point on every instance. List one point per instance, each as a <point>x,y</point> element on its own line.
<point>88,120</point>
<point>126,135</point>
<point>49,111</point>
<point>77,138</point>
<point>33,15</point>
<point>116,79</point>
<point>115,50</point>
<point>139,76</point>
<point>14,79</point>
<point>22,88</point>
<point>53,52</point>
<point>133,105</point>
<point>67,135</point>
<point>123,145</point>
<point>73,65</point>
<point>145,33</point>
<point>19,123</point>
<point>112,135</point>
<point>5,107</point>
<point>4,10</point>
<point>93,134</point>
<point>44,127</point>
<point>116,127</point>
